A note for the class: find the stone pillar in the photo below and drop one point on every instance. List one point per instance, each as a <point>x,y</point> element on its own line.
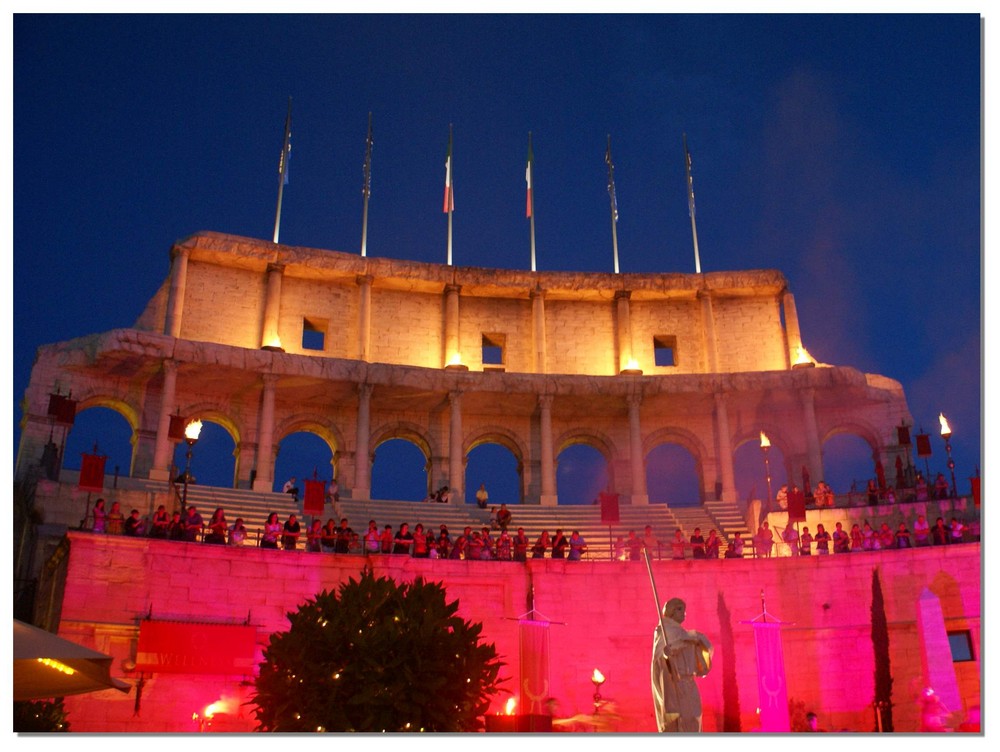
<point>708,331</point>
<point>272,305</point>
<point>456,462</point>
<point>792,334</point>
<point>452,345</point>
<point>725,445</point>
<point>362,457</point>
<point>538,330</point>
<point>624,321</point>
<point>639,494</point>
<point>178,287</point>
<point>162,450</point>
<point>548,496</point>
<point>813,451</point>
<point>264,480</point>
<point>938,669</point>
<point>365,316</point>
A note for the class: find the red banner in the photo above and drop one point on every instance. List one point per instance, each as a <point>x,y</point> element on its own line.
<point>92,472</point>
<point>609,508</point>
<point>175,647</point>
<point>313,500</point>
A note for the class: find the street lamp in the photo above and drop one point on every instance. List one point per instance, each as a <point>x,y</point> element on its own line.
<point>191,433</point>
<point>946,435</point>
<point>598,678</point>
<point>765,447</point>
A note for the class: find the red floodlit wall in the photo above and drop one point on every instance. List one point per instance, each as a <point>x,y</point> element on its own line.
<point>605,608</point>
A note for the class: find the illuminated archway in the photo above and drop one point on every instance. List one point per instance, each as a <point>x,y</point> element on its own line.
<point>106,423</point>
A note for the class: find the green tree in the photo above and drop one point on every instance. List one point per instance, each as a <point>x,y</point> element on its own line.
<point>376,656</point>
<point>40,716</point>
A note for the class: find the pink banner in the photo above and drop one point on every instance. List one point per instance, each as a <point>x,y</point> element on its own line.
<point>771,686</point>
<point>176,647</point>
<point>534,639</point>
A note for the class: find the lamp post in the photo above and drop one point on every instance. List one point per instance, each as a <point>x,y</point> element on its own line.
<point>765,447</point>
<point>598,678</point>
<point>191,433</point>
<point>946,435</point>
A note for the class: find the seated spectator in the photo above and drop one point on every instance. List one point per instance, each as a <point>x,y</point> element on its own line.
<point>420,550</point>
<point>957,530</point>
<point>712,545</point>
<point>160,523</point>
<point>482,497</point>
<point>921,532</point>
<point>559,544</point>
<point>822,540</point>
<point>791,538</point>
<point>941,488</point>
<point>871,541</point>
<point>841,540</point>
<point>886,538</point>
<point>824,495</point>
<point>902,536</point>
<point>272,530</point>
<point>890,495</point>
<point>805,542</point>
<point>116,520</point>
<point>217,528</point>
<point>291,488</point>
<point>504,546</point>
<point>292,530</point>
<point>431,543</point>
<point>445,497</point>
<point>474,547</point>
<point>134,525</point>
<point>621,549</point>
<point>735,548</point>
<point>650,541</point>
<point>238,533</point>
<point>314,537</point>
<point>328,536</point>
<point>939,533</point>
<point>344,535</point>
<point>403,540</point>
<point>542,543</point>
<point>175,531</point>
<point>444,542</point>
<point>503,517</point>
<point>577,546</point>
<point>100,524</point>
<point>373,540</point>
<point>487,551</point>
<point>697,544</point>
<point>872,493</point>
<point>193,525</point>
<point>386,540</point>
<point>677,545</point>
<point>521,544</point>
<point>857,538</point>
<point>333,492</point>
<point>921,488</point>
<point>459,549</point>
<point>764,540</point>
<point>634,544</point>
<point>782,497</point>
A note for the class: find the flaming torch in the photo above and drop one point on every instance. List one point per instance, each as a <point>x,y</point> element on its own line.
<point>598,678</point>
<point>946,435</point>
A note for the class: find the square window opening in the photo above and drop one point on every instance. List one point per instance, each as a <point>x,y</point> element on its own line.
<point>664,351</point>
<point>961,646</point>
<point>313,334</point>
<point>493,349</point>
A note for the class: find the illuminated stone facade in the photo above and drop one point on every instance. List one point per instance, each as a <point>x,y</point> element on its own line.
<point>268,340</point>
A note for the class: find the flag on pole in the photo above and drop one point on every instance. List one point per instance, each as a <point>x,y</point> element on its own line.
<point>286,147</point>
<point>527,177</point>
<point>611,181</point>
<point>366,189</point>
<point>449,196</point>
<point>690,180</point>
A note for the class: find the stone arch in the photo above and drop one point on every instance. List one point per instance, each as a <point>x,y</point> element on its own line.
<point>862,429</point>
<point>411,432</point>
<point>120,407</point>
<point>308,423</point>
<point>687,440</point>
<point>209,411</point>
<point>509,441</point>
<point>599,441</point>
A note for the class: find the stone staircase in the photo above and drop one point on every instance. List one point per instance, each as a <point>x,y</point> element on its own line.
<point>253,506</point>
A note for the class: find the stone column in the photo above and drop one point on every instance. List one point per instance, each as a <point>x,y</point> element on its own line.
<point>365,316</point>
<point>456,462</point>
<point>538,330</point>
<point>725,444</point>
<point>792,334</point>
<point>452,346</point>
<point>639,494</point>
<point>168,399</point>
<point>624,322</point>
<point>264,480</point>
<point>178,287</point>
<point>548,496</point>
<point>708,331</point>
<point>362,457</point>
<point>813,450</point>
<point>272,305</point>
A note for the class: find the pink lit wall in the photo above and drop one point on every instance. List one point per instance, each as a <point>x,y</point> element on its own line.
<point>606,609</point>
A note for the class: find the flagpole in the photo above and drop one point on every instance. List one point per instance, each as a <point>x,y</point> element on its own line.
<point>366,189</point>
<point>283,168</point>
<point>529,177</point>
<point>450,195</point>
<point>690,185</point>
<point>614,202</point>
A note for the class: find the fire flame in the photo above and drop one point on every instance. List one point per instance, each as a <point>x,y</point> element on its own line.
<point>801,356</point>
<point>455,359</point>
<point>192,430</point>
<point>509,710</point>
<point>598,677</point>
<point>632,364</point>
<point>945,428</point>
<point>219,706</point>
<point>764,441</point>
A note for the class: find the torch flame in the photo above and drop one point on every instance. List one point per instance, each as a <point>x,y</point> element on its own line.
<point>455,359</point>
<point>764,441</point>
<point>945,428</point>
<point>509,710</point>
<point>598,677</point>
<point>632,364</point>
<point>192,430</point>
<point>801,356</point>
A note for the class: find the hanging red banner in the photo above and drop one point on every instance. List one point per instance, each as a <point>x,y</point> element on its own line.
<point>175,647</point>
<point>92,472</point>
<point>313,500</point>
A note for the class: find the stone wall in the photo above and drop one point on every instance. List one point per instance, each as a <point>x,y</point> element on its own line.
<point>602,614</point>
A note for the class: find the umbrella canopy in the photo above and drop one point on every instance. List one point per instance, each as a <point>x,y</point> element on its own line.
<point>46,665</point>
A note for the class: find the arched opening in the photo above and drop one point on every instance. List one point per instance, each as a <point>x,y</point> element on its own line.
<point>672,476</point>
<point>581,474</point>
<point>848,464</point>
<point>109,430</point>
<point>303,455</point>
<point>494,466</point>
<point>213,457</point>
<point>399,471</point>
<point>750,471</point>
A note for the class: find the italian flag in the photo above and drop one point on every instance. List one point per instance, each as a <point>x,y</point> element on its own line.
<point>527,176</point>
<point>449,195</point>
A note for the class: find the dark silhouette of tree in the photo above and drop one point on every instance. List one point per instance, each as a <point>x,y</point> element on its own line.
<point>376,656</point>
<point>730,685</point>
<point>40,716</point>
<point>880,644</point>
